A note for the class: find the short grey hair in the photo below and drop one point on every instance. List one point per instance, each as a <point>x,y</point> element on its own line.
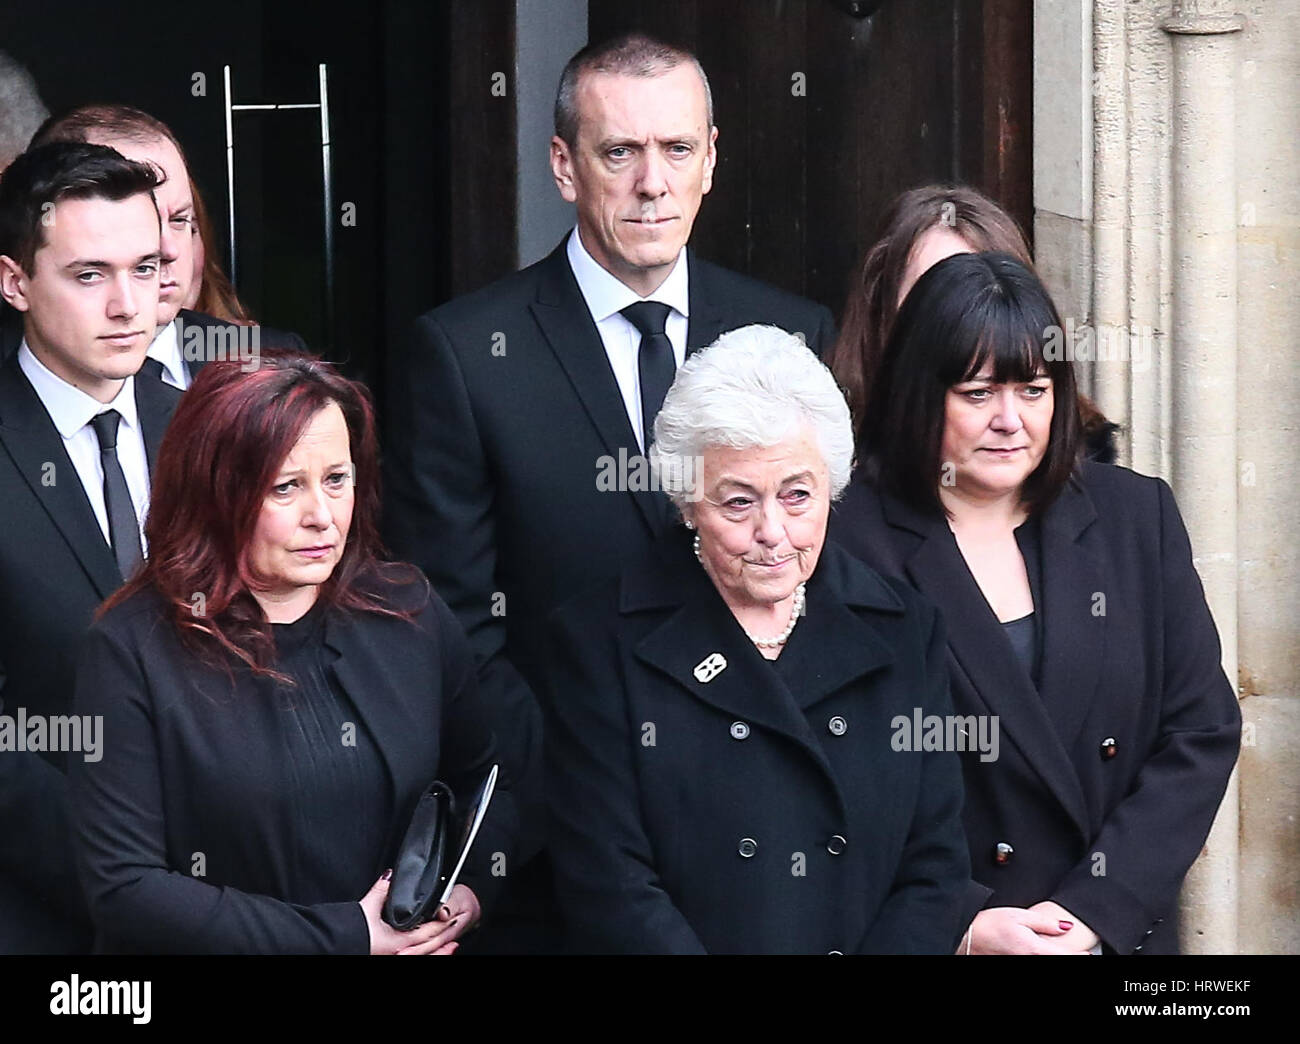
<point>634,54</point>
<point>753,387</point>
<point>21,109</point>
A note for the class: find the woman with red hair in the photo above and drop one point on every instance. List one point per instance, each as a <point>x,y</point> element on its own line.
<point>274,697</point>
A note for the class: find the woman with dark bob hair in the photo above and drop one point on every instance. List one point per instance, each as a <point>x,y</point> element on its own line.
<point>1077,627</point>
<point>922,227</point>
<point>274,698</point>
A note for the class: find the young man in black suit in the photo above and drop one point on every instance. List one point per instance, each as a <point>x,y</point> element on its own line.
<point>79,260</point>
<point>186,340</point>
<point>520,413</point>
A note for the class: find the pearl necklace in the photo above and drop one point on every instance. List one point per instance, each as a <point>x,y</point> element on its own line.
<point>795,612</point>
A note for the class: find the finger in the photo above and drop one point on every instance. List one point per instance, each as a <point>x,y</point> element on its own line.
<point>451,930</point>
<point>1045,924</point>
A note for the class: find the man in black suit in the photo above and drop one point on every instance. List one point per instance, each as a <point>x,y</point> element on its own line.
<point>520,413</point>
<point>186,340</point>
<point>79,260</point>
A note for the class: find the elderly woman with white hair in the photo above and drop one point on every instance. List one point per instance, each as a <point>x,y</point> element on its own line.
<point>733,763</point>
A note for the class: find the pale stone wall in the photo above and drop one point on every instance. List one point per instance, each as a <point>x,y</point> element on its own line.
<point>1167,196</point>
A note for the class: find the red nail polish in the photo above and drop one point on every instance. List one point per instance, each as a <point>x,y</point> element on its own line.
<point>388,873</point>
<point>1065,925</point>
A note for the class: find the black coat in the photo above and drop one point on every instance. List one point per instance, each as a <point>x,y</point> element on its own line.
<point>662,778</point>
<point>186,769</point>
<point>55,569</point>
<point>500,408</point>
<point>1109,777</point>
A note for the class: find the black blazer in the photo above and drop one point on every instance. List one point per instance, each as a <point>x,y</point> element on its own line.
<point>185,770</point>
<point>501,408</point>
<point>1109,778</point>
<point>55,569</point>
<point>731,814</point>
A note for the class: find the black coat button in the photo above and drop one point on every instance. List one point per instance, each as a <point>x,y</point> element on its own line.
<point>838,726</point>
<point>1002,853</point>
<point>747,847</point>
<point>836,844</point>
<point>739,730</point>
<point>1108,748</point>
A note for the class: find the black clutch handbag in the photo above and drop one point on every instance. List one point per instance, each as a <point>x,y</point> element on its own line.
<point>420,870</point>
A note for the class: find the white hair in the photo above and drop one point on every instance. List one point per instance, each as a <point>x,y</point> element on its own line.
<point>753,387</point>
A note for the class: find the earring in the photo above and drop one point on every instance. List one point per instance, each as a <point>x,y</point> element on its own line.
<point>695,546</point>
<point>689,524</point>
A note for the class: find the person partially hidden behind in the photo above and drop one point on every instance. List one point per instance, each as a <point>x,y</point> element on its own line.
<point>275,698</point>
<point>922,227</point>
<point>79,260</point>
<point>1075,619</point>
<point>186,340</point>
<point>723,771</point>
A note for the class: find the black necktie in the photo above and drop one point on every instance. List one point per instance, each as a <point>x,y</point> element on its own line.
<point>123,526</point>
<point>655,363</point>
<point>152,368</point>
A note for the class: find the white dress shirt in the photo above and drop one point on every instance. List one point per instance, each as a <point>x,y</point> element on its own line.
<point>166,348</point>
<point>71,410</point>
<point>606,296</point>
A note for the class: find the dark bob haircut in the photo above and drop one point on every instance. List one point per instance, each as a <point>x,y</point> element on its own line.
<point>49,174</point>
<point>966,311</point>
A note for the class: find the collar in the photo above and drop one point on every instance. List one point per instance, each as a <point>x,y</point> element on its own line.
<point>166,348</point>
<point>607,295</point>
<point>70,408</point>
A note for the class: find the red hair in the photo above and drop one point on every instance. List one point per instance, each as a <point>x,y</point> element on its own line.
<point>223,449</point>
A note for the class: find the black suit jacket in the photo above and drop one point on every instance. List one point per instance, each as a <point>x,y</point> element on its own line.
<point>503,408</point>
<point>55,569</point>
<point>1130,655</point>
<point>185,770</point>
<point>659,773</point>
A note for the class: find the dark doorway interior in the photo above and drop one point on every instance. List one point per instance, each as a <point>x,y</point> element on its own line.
<point>824,117</point>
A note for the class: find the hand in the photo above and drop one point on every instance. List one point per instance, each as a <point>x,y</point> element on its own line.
<point>430,937</point>
<point>457,916</point>
<point>1080,937</point>
<point>1009,929</point>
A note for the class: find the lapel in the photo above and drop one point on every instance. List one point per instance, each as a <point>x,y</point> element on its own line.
<point>565,322</point>
<point>935,566</point>
<point>155,401</point>
<point>1074,639</point>
<point>34,443</point>
<point>834,646</point>
<point>705,324</point>
<point>367,677</point>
